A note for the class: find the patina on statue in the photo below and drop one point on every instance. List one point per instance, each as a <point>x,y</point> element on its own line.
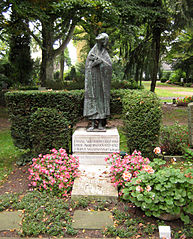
<point>98,74</point>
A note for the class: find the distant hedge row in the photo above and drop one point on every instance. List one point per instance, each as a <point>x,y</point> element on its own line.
<point>141,112</point>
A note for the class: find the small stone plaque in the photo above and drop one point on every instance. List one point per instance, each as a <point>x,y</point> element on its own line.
<point>91,220</point>
<point>10,220</point>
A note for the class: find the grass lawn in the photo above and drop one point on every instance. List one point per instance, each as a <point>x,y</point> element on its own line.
<point>167,90</point>
<point>8,154</point>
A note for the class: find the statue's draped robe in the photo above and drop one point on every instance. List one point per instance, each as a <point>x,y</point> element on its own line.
<point>97,85</point>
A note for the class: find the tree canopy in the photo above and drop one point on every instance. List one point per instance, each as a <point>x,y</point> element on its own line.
<point>142,32</point>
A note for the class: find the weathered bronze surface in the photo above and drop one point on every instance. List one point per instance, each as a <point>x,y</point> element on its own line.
<point>98,74</point>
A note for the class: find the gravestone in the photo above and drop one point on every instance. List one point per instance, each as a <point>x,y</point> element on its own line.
<point>190,123</point>
<point>93,147</point>
<point>92,220</point>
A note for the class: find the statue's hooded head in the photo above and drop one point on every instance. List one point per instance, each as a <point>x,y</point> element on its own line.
<point>104,38</point>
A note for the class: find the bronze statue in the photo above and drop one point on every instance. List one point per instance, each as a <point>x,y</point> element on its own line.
<point>98,73</point>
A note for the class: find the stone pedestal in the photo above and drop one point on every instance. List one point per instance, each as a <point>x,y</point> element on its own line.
<point>93,147</point>
<point>190,123</point>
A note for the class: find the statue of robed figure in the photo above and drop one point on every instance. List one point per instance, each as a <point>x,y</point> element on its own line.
<point>98,74</point>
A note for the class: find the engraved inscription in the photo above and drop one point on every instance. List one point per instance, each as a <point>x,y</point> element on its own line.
<point>96,144</point>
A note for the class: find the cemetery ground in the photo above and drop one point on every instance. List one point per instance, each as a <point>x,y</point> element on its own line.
<point>54,216</point>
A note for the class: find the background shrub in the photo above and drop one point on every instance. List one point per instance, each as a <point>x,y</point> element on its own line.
<point>173,139</point>
<point>49,129</point>
<point>142,118</point>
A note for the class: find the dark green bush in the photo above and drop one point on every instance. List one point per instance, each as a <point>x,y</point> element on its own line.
<point>22,104</point>
<point>163,80</point>
<point>28,87</point>
<point>125,84</point>
<point>142,117</point>
<point>2,97</point>
<point>49,129</point>
<point>74,85</point>
<point>173,139</point>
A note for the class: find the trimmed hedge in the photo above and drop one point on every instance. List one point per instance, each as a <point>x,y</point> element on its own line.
<point>142,116</point>
<point>49,129</point>
<point>22,104</point>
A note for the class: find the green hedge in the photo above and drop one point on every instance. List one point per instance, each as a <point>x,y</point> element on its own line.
<point>49,129</point>
<point>141,112</point>
<point>142,116</point>
<point>22,104</point>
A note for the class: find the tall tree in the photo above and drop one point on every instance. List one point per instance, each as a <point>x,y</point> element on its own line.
<point>55,20</point>
<point>19,54</point>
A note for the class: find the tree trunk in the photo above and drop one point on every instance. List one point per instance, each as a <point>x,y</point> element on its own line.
<point>47,64</point>
<point>61,66</point>
<point>156,55</point>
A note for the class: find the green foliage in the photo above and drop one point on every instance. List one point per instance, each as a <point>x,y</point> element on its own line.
<point>125,84</point>
<point>173,139</point>
<point>5,73</point>
<point>176,76</point>
<point>166,191</point>
<point>45,214</point>
<point>49,129</point>
<point>82,202</point>
<point>21,105</point>
<point>19,55</point>
<point>9,154</point>
<point>8,201</point>
<point>188,155</point>
<point>142,116</point>
<point>74,85</point>
<point>157,163</point>
<point>165,77</point>
<point>141,112</point>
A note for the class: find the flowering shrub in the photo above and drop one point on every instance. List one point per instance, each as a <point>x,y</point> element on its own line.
<point>167,191</point>
<point>185,101</point>
<point>123,169</point>
<point>54,172</point>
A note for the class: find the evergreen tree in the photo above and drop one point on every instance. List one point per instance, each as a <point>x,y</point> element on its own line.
<point>19,54</point>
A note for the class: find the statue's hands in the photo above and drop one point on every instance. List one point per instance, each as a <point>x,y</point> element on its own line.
<point>92,57</point>
<point>96,62</point>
